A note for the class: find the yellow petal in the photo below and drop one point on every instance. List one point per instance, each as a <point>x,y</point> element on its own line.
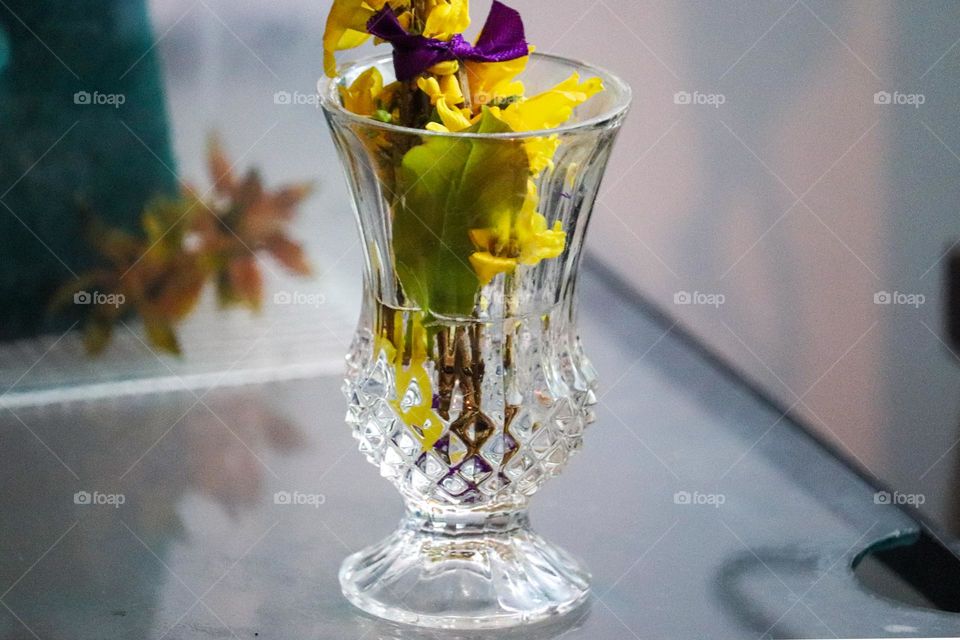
<point>382,344</point>
<point>540,152</point>
<point>446,87</point>
<point>545,111</point>
<point>483,238</point>
<point>491,81</point>
<point>361,96</point>
<point>495,240</point>
<point>538,242</point>
<point>535,241</point>
<point>422,420</point>
<point>447,68</point>
<point>431,87</point>
<point>453,119</point>
<point>345,29</point>
<point>446,18</point>
<point>451,89</point>
<point>487,266</point>
<point>552,107</point>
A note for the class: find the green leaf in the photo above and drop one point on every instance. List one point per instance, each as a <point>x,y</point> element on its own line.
<point>445,187</point>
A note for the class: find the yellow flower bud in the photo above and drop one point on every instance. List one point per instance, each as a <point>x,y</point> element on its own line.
<point>447,68</point>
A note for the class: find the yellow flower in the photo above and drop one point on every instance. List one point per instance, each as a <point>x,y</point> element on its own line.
<point>490,81</point>
<point>528,240</point>
<point>446,17</point>
<point>361,96</point>
<point>446,87</point>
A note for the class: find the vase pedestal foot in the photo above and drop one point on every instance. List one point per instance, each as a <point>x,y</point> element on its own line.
<point>491,573</point>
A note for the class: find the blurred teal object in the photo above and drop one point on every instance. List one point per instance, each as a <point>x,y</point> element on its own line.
<point>4,49</point>
<point>82,120</point>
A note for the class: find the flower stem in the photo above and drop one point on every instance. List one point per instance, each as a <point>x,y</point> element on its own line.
<point>465,86</point>
<point>419,9</point>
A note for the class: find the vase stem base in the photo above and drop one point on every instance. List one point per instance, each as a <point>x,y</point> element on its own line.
<point>493,574</point>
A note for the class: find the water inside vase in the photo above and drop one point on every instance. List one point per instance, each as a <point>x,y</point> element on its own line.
<point>468,413</point>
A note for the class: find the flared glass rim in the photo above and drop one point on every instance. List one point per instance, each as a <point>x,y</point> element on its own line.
<point>330,101</point>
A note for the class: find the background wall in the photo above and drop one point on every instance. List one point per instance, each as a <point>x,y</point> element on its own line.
<point>798,198</point>
<point>760,176</point>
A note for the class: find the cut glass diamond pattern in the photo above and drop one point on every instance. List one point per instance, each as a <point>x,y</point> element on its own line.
<point>453,484</point>
<point>474,470</point>
<point>431,466</point>
<point>412,397</point>
<point>480,456</point>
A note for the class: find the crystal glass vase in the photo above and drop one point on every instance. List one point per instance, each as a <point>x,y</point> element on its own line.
<point>467,385</point>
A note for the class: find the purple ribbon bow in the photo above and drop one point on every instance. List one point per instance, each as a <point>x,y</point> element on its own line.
<point>501,39</point>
